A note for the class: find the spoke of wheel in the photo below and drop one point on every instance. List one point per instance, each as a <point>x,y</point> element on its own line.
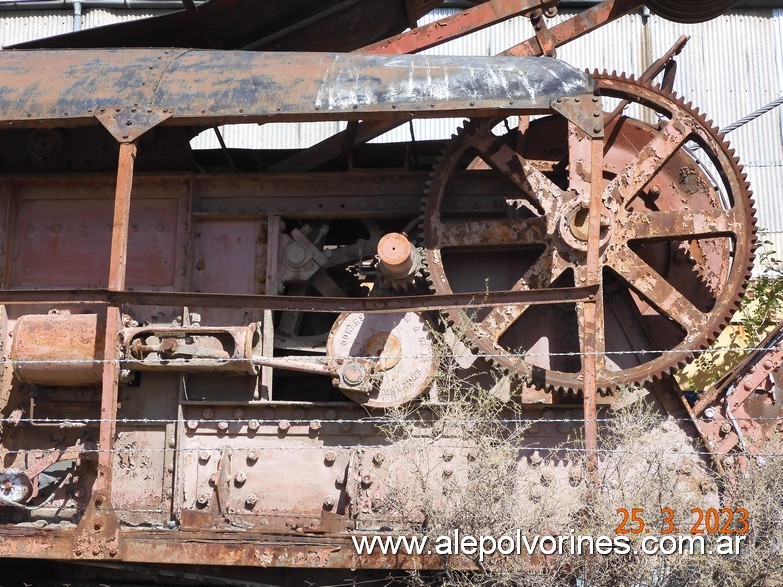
<point>656,290</point>
<point>541,274</point>
<point>541,191</point>
<point>682,224</point>
<point>649,161</point>
<point>500,232</point>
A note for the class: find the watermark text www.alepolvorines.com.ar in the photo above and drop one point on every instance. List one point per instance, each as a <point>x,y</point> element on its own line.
<point>457,543</point>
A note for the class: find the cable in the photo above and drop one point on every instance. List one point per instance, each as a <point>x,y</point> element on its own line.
<point>752,116</point>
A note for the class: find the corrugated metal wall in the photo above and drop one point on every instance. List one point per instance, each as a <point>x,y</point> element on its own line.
<point>732,66</point>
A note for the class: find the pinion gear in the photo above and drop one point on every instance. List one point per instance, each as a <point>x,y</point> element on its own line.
<point>677,246</point>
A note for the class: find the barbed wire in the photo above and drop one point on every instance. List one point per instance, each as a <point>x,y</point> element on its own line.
<point>532,448</point>
<point>505,355</point>
<point>381,421</point>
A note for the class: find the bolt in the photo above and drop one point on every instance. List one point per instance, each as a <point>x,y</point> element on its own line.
<point>575,476</point>
<point>448,472</point>
<point>172,524</point>
<point>709,413</point>
<point>251,500</point>
<point>597,129</point>
<point>77,551</point>
<point>223,426</point>
<point>329,502</point>
<point>113,551</point>
<point>208,413</point>
<point>192,424</point>
<point>366,481</point>
<point>447,455</point>
<point>252,456</point>
<point>203,499</point>
<point>315,425</point>
<point>378,459</point>
<point>240,478</point>
<point>535,459</point>
<point>283,425</point>
<point>253,425</point>
<point>725,428</point>
<point>203,455</point>
<point>98,526</point>
<point>655,191</point>
<point>96,551</point>
<point>330,457</point>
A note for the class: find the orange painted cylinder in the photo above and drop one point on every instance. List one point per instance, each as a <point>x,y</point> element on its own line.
<point>58,350</point>
<point>396,255</point>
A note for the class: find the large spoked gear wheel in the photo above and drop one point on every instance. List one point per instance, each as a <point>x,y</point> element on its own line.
<point>677,239</point>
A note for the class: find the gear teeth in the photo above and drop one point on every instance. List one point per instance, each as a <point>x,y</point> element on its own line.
<point>567,384</point>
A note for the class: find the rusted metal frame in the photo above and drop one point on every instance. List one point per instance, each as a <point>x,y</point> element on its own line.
<point>561,34</point>
<point>424,303</point>
<point>586,175</point>
<point>98,534</point>
<point>650,74</point>
<point>274,230</point>
<point>578,26</point>
<point>453,27</point>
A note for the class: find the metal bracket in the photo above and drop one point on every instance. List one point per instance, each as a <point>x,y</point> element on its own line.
<point>98,535</point>
<point>128,124</point>
<point>586,112</point>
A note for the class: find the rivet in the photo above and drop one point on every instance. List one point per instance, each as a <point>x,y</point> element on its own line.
<point>208,413</point>
<point>330,414</point>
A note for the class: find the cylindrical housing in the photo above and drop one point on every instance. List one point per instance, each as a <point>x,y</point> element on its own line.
<point>690,11</point>
<point>58,349</point>
<point>397,256</point>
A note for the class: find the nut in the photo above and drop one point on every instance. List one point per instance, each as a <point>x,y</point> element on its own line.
<point>366,481</point>
<point>315,425</point>
<point>251,500</point>
<point>447,455</point>
<point>203,455</point>
<point>378,459</point>
<point>192,424</point>
<point>535,458</point>
<point>283,425</point>
<point>709,413</point>
<point>222,426</point>
<point>203,499</point>
<point>252,456</point>
<point>329,502</point>
<point>330,457</point>
<point>253,425</point>
<point>240,478</point>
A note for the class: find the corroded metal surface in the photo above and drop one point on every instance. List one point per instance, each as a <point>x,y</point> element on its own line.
<point>698,301</point>
<point>131,91</point>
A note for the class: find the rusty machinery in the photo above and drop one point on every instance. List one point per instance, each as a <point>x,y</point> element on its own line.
<point>265,304</point>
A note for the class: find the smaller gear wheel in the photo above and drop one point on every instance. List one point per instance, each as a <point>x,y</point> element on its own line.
<point>690,11</point>
<point>401,348</point>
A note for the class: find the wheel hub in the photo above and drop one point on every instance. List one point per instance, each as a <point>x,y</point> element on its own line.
<point>572,228</point>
